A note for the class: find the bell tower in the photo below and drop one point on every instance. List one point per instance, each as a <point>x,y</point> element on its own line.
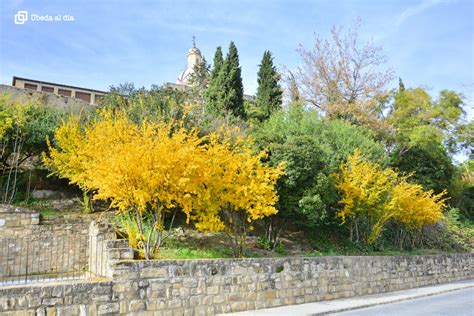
<point>194,57</point>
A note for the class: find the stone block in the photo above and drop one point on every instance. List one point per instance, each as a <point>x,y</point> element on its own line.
<point>68,311</point>
<point>238,306</point>
<point>218,299</point>
<point>109,308</point>
<point>52,301</point>
<point>136,306</point>
<point>154,273</point>
<point>41,312</point>
<point>213,289</point>
<point>51,311</point>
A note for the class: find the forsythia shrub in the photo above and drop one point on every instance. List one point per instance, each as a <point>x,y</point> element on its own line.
<point>371,196</point>
<point>149,169</point>
<point>243,189</point>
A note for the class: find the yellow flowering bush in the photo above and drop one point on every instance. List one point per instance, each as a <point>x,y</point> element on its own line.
<point>371,196</point>
<point>150,169</point>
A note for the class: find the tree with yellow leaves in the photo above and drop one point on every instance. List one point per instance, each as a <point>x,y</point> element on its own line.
<point>148,170</point>
<point>372,196</point>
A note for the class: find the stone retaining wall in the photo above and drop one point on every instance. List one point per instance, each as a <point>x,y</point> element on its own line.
<point>46,248</point>
<point>15,221</point>
<point>66,299</point>
<point>208,287</point>
<point>23,222</point>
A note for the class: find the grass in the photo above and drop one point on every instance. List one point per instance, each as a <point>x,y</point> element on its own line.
<point>216,253</point>
<point>189,253</point>
<point>42,206</point>
<point>334,242</point>
<point>48,212</point>
<point>32,203</point>
<point>189,244</point>
<point>385,252</point>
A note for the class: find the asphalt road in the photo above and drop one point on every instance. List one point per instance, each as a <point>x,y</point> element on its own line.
<point>455,303</point>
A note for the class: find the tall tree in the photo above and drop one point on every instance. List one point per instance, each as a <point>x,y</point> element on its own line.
<point>293,91</point>
<point>401,85</point>
<point>421,122</point>
<point>269,92</point>
<point>199,80</point>
<point>233,87</point>
<point>213,93</point>
<point>217,63</point>
<point>343,78</point>
<point>226,93</point>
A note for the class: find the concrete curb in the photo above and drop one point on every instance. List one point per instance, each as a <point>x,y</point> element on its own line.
<point>398,299</point>
<point>348,304</point>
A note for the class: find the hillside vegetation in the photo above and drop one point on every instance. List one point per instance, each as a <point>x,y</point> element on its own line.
<point>337,162</point>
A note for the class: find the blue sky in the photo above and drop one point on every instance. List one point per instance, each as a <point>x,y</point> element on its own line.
<point>427,42</point>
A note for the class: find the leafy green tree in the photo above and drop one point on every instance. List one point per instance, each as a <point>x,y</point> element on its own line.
<point>337,139</point>
<point>306,193</point>
<point>421,122</point>
<point>425,132</point>
<point>462,189</point>
<point>24,130</point>
<point>269,92</point>
<point>312,149</point>
<point>155,104</point>
<point>465,134</point>
<point>432,168</point>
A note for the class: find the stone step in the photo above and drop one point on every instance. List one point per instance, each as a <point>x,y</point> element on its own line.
<point>116,243</point>
<point>121,254</point>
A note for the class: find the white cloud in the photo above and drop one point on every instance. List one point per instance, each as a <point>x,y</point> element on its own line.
<point>412,11</point>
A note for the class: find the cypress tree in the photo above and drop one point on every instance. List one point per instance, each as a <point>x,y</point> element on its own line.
<point>214,91</point>
<point>293,88</point>
<point>217,63</point>
<point>401,86</point>
<point>225,93</point>
<point>199,80</point>
<point>232,83</point>
<point>269,92</point>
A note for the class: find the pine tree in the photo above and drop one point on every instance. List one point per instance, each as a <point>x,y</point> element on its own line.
<point>269,92</point>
